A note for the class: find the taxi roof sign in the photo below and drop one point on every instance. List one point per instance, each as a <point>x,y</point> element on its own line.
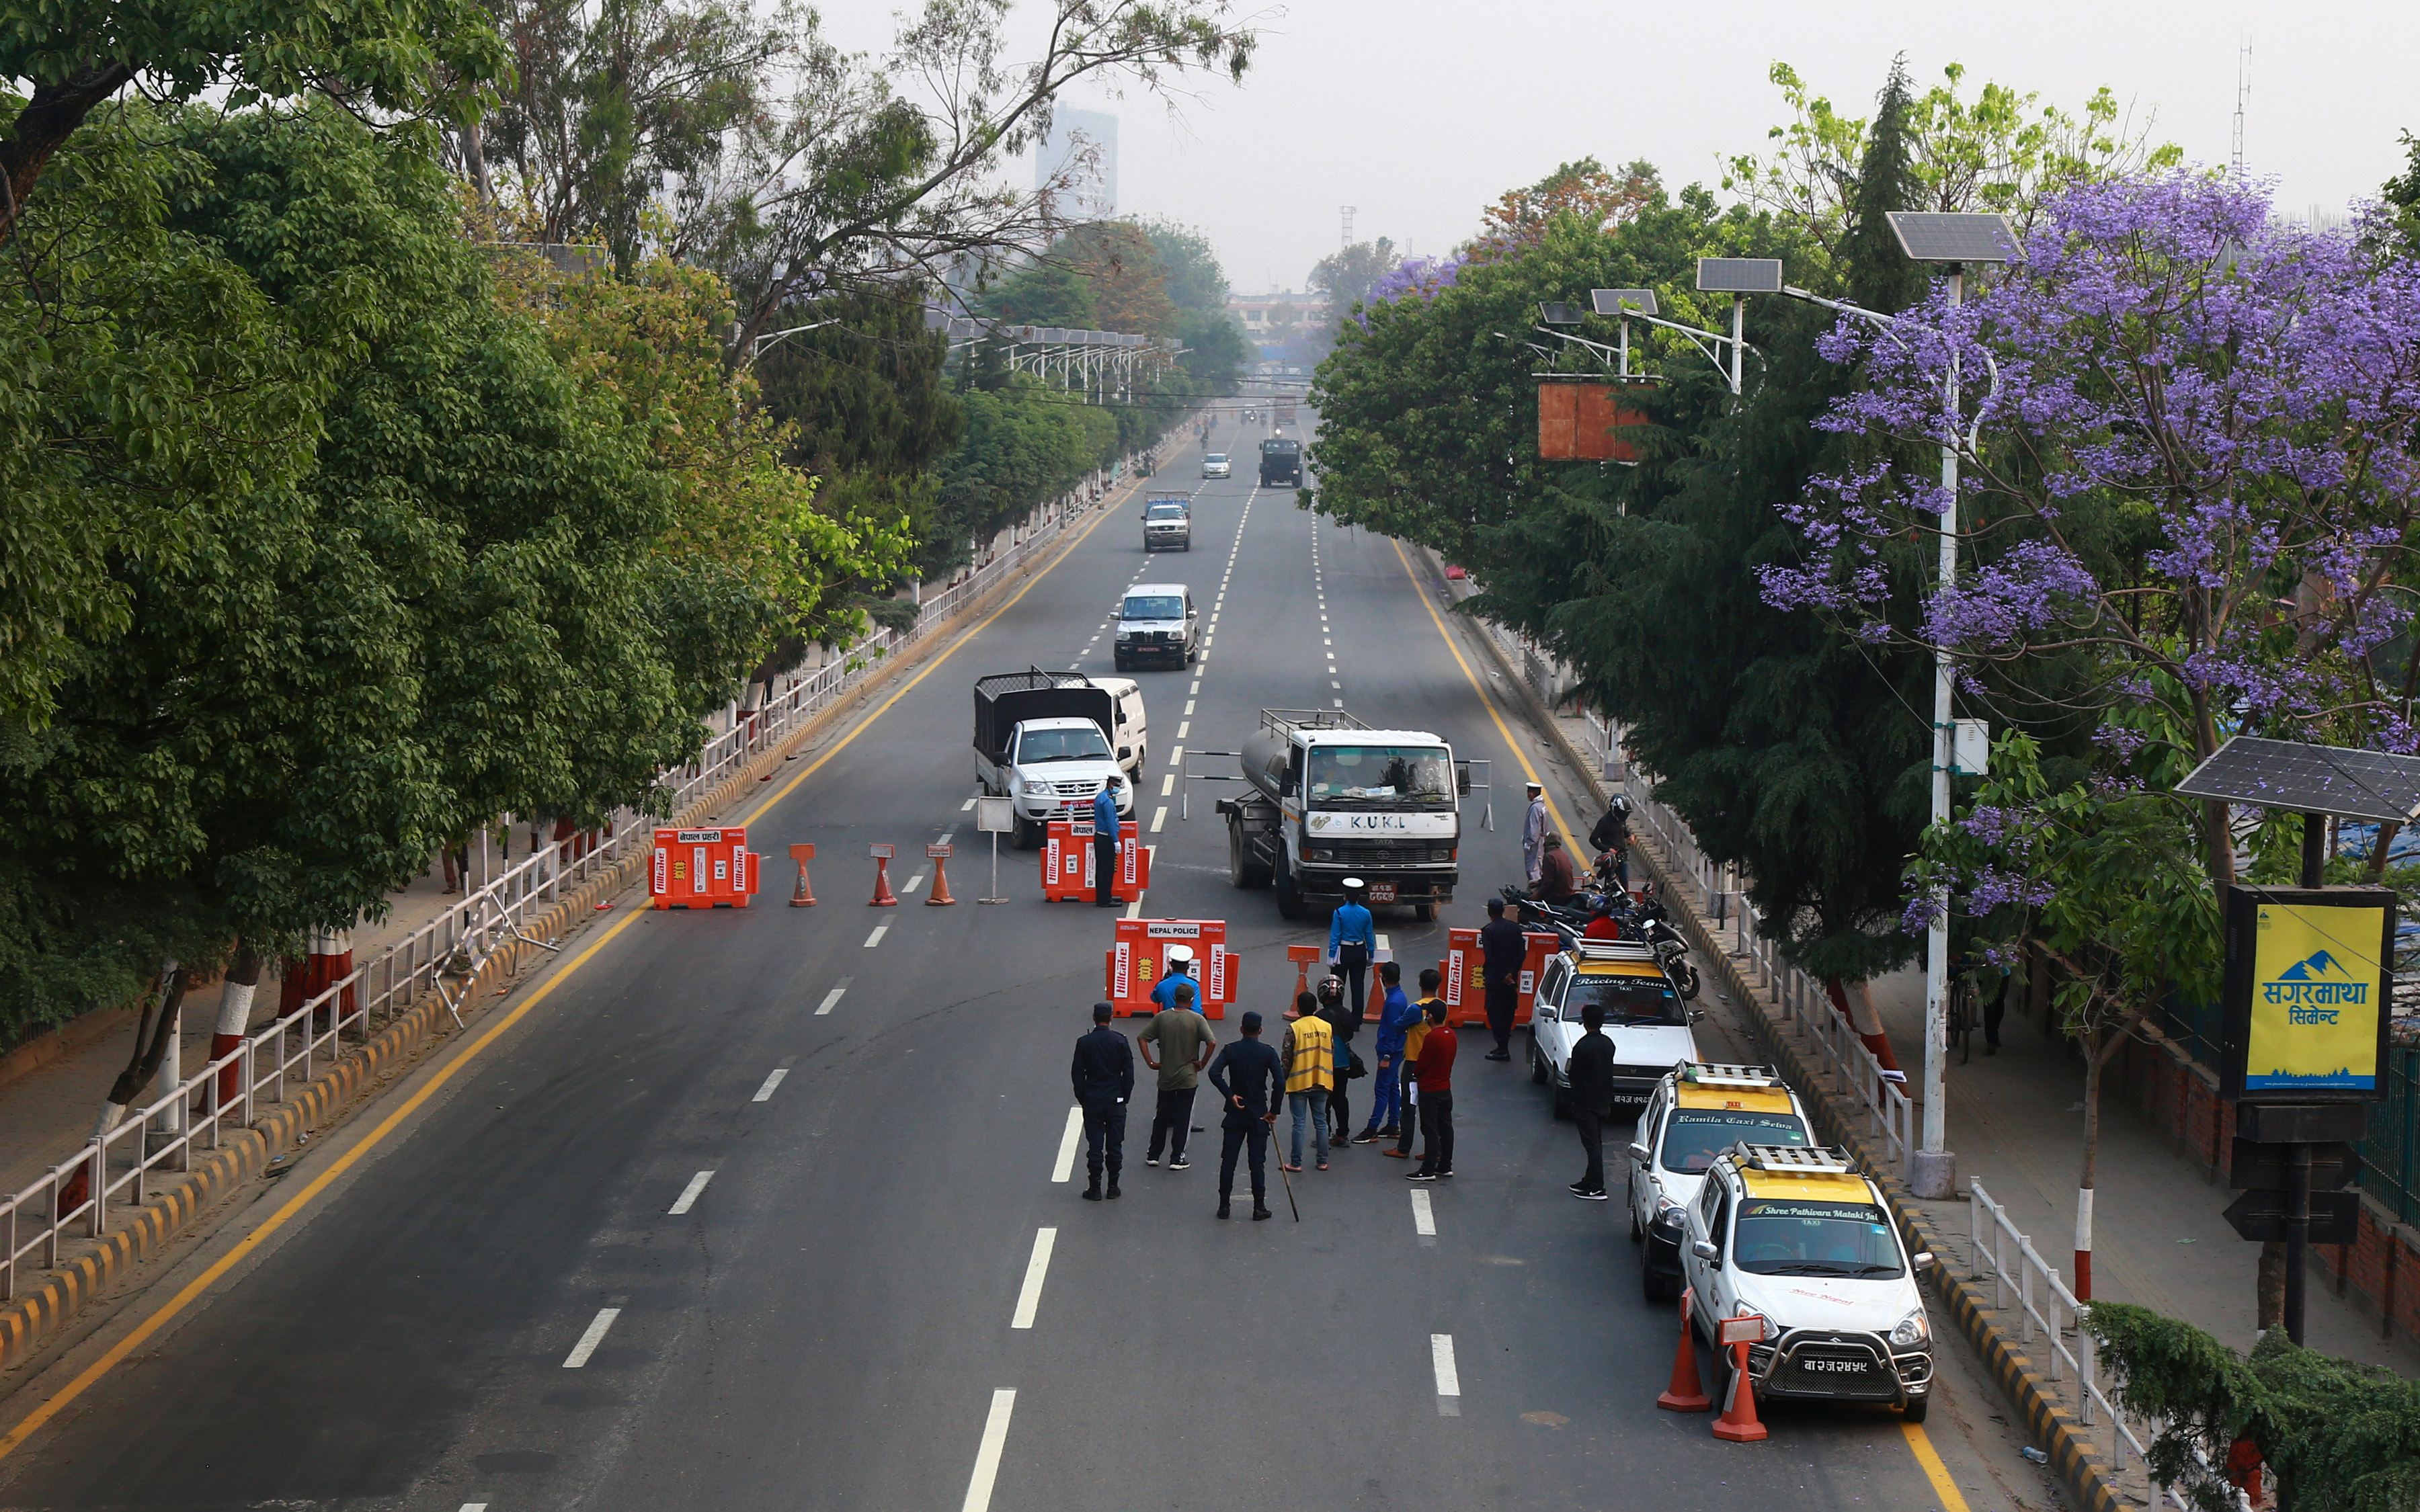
<point>1707,1075</point>
<point>1613,950</point>
<point>1793,1160</point>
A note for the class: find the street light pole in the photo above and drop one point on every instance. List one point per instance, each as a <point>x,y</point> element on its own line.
<point>1933,1171</point>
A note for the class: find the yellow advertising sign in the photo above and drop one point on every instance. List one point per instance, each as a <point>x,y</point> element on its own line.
<point>2315,998</point>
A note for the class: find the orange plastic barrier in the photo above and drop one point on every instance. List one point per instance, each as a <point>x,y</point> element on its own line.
<point>703,869</point>
<point>1133,967</point>
<point>1533,966</point>
<point>1068,862</point>
<point>1466,999</point>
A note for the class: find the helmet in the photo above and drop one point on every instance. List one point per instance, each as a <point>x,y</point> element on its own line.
<point>1331,989</point>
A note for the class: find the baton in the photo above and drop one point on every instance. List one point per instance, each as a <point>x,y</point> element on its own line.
<point>1284,1176</point>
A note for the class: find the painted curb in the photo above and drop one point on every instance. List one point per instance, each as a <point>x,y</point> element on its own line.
<point>33,1318</point>
<point>2084,1472</point>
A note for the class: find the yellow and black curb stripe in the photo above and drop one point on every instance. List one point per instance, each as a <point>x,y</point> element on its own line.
<point>2079,1466</point>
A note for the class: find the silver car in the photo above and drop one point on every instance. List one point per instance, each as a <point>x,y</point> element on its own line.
<point>1215,465</point>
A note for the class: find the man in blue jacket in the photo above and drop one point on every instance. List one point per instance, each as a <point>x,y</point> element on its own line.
<point>1395,1016</point>
<point>1105,846</point>
<point>1352,939</point>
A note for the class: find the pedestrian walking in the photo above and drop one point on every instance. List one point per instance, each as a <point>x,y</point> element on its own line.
<point>1502,950</point>
<point>1438,1049</point>
<point>1184,1040</point>
<point>1180,972</point>
<point>1105,846</point>
<point>1343,1024</point>
<point>1592,1073</point>
<point>1103,1072</point>
<point>1352,939</point>
<point>1309,1051</point>
<point>1248,1077</point>
<point>1387,1077</point>
<point>1533,834</point>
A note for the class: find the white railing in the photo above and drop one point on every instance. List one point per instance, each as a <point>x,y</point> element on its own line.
<point>118,1167</point>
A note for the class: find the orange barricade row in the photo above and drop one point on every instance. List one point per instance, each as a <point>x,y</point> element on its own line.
<point>703,869</point>
<point>1068,862</point>
<point>1133,964</point>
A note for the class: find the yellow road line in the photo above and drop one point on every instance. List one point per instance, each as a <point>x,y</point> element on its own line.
<point>1934,1471</point>
<point>143,1332</point>
<point>1571,841</point>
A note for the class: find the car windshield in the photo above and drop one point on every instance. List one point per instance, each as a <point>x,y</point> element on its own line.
<point>1277,447</point>
<point>1166,511</point>
<point>1416,774</point>
<point>1627,1001</point>
<point>1693,1136</point>
<point>1156,607</point>
<point>1062,745</point>
<point>1216,456</point>
<point>1793,1236</point>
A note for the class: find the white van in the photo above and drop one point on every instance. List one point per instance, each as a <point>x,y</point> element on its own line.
<point>1134,737</point>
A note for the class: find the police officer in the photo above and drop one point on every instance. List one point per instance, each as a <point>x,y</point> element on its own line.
<point>1250,1081</point>
<point>1352,939</point>
<point>1503,953</point>
<point>1180,972</point>
<point>1103,1074</point>
<point>1105,845</point>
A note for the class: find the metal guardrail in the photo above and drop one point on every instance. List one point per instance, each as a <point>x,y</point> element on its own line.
<point>160,1137</point>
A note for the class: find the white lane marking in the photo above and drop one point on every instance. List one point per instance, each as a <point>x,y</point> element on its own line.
<point>690,1194</point>
<point>1336,685</point>
<point>946,834</point>
<point>995,1434</point>
<point>1029,1297</point>
<point>829,998</point>
<point>588,1341</point>
<point>1449,1384</point>
<point>1168,784</point>
<point>1176,756</point>
<point>1423,1216</point>
<point>913,882</point>
<point>1325,640</point>
<point>1195,688</point>
<point>1188,707</point>
<point>1158,817</point>
<point>764,1093</point>
<point>1072,665</point>
<point>474,1506</point>
<point>1340,704</point>
<point>876,938</point>
<point>967,806</point>
<point>1067,1143</point>
<point>1184,728</point>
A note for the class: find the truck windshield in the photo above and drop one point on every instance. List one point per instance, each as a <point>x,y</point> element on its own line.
<point>1381,774</point>
<point>1061,745</point>
<point>1795,1236</point>
<point>1156,607</point>
<point>1165,512</point>
<point>1626,1000</point>
<point>1693,1136</point>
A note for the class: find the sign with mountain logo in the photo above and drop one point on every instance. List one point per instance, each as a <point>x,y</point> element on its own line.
<point>2307,993</point>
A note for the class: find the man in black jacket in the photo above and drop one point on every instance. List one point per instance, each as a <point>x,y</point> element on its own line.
<point>1103,1072</point>
<point>1502,950</point>
<point>1250,1079</point>
<point>1592,1073</point>
<point>1612,834</point>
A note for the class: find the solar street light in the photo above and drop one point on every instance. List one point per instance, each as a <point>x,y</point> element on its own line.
<point>1943,236</point>
<point>1556,312</point>
<point>1622,300</point>
<point>1739,275</point>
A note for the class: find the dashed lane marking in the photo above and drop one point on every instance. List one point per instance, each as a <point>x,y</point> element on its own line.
<point>1158,817</point>
<point>1423,1216</point>
<point>876,938</point>
<point>764,1093</point>
<point>1029,1296</point>
<point>690,1194</point>
<point>913,882</point>
<point>995,1435</point>
<point>593,1337</point>
<point>1449,1384</point>
<point>833,996</point>
<point>1168,784</point>
<point>1067,1143</point>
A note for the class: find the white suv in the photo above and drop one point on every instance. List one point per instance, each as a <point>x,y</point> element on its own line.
<point>1697,1113</point>
<point>1644,1017</point>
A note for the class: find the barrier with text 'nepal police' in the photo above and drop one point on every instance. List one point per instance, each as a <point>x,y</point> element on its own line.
<point>1067,863</point>
<point>1142,944</point>
<point>703,869</point>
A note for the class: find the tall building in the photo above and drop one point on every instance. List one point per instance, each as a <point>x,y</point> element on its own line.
<point>1093,194</point>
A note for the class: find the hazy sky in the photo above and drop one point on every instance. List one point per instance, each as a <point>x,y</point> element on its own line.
<point>1418,113</point>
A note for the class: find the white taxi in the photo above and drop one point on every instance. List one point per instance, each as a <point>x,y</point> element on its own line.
<point>1644,1017</point>
<point>1794,1235</point>
<point>1695,1115</point>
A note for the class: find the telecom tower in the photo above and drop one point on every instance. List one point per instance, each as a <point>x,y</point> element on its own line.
<point>2243,96</point>
<point>1346,246</point>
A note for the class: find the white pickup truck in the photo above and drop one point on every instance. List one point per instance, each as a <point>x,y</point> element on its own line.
<point>1050,741</point>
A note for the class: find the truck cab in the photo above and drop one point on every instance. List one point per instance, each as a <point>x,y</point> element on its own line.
<point>1050,742</point>
<point>1331,798</point>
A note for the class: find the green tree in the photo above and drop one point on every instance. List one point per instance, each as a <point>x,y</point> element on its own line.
<point>1346,277</point>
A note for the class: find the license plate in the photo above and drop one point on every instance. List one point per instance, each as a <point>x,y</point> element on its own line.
<point>1844,1367</point>
<point>1382,892</point>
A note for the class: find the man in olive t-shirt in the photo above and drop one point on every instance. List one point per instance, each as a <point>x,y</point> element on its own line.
<point>1185,1044</point>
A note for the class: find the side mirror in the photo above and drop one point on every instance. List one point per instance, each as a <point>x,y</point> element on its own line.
<point>1639,1153</point>
<point>1921,1257</point>
<point>1705,1250</point>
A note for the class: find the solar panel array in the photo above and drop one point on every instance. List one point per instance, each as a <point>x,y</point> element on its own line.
<point>2303,778</point>
<point>1623,300</point>
<point>1937,236</point>
<point>1739,275</point>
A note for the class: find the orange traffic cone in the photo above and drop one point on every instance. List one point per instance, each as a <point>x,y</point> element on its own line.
<point>805,896</point>
<point>939,897</point>
<point>1738,1424</point>
<point>1685,1394</point>
<point>1302,956</point>
<point>883,896</point>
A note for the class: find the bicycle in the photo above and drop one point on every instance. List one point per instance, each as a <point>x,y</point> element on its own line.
<point>1960,1020</point>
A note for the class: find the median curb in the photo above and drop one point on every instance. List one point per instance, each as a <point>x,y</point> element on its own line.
<point>36,1316</point>
<point>2085,1474</point>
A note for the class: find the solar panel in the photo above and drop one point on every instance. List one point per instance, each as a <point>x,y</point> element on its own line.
<point>1934,236</point>
<point>1623,300</point>
<point>2329,780</point>
<point>1739,275</point>
<point>1556,312</point>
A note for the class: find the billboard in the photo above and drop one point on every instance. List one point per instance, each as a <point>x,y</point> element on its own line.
<point>2308,992</point>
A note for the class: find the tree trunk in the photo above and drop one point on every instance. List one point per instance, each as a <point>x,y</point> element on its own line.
<point>42,127</point>
<point>2101,1044</point>
<point>2376,871</point>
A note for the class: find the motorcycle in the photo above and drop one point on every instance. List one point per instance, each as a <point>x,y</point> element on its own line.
<point>1643,919</point>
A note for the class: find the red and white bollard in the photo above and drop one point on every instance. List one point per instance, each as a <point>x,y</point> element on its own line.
<point>883,896</point>
<point>329,962</point>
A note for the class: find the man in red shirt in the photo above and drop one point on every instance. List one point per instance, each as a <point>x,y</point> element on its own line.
<point>1434,1071</point>
<point>1602,926</point>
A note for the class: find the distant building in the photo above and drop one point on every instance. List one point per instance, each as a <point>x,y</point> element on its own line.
<point>1093,193</point>
<point>1282,324</point>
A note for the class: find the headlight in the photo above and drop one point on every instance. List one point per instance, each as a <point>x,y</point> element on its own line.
<point>1668,1212</point>
<point>1912,1330</point>
<point>1318,853</point>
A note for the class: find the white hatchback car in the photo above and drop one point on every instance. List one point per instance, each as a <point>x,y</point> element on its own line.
<point>1697,1113</point>
<point>1795,1236</point>
<point>1644,1017</point>
<point>1216,465</point>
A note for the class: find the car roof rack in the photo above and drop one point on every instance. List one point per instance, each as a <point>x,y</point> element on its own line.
<point>1589,949</point>
<point>1794,1160</point>
<point>1704,1073</point>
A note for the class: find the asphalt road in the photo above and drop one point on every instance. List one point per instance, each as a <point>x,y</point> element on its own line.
<point>830,1322</point>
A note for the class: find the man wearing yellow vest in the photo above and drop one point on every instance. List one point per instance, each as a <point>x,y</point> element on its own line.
<point>1309,1057</point>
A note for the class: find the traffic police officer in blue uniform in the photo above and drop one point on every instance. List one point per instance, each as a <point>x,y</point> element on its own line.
<point>1103,1074</point>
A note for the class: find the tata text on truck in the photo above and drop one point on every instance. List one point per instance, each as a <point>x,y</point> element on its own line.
<point>1049,741</point>
<point>1331,798</point>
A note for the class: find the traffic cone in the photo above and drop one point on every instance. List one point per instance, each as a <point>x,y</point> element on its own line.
<point>1738,1424</point>
<point>1302,956</point>
<point>939,897</point>
<point>883,896</point>
<point>1685,1394</point>
<point>805,896</point>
